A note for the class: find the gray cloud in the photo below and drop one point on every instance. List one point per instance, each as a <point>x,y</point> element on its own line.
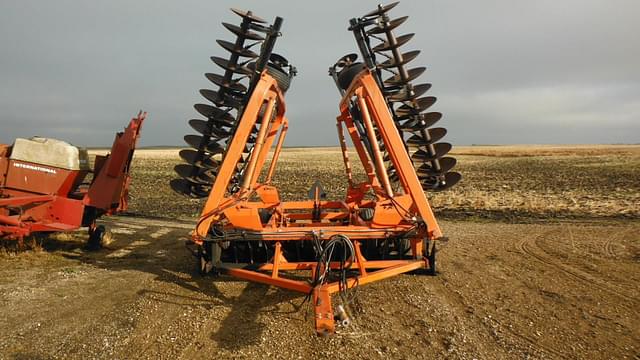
<point>504,71</point>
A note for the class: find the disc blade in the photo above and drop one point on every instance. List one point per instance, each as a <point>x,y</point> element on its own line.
<point>225,100</point>
<point>231,85</point>
<point>220,133</point>
<point>186,188</point>
<point>212,112</point>
<point>416,106</point>
<point>210,146</point>
<point>435,133</point>
<point>406,57</point>
<point>211,95</point>
<point>240,51</point>
<point>215,131</point>
<point>442,183</point>
<point>260,27</point>
<point>412,75</point>
<point>387,27</point>
<point>381,9</point>
<point>404,94</point>
<point>194,140</point>
<point>229,66</point>
<point>427,170</point>
<point>248,15</point>
<point>419,122</point>
<point>278,61</point>
<point>193,174</point>
<point>387,45</point>
<point>182,187</point>
<point>186,170</point>
<point>215,148</point>
<point>202,161</point>
<point>346,60</point>
<point>451,179</point>
<point>202,127</point>
<point>243,34</point>
<point>441,149</point>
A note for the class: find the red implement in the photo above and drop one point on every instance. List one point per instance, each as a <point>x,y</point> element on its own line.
<point>43,188</point>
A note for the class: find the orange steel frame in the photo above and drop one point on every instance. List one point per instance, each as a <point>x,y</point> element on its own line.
<point>405,212</point>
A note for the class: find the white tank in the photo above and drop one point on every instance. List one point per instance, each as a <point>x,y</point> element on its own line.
<point>50,152</point>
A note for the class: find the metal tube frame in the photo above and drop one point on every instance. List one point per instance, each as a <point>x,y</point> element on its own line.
<point>238,217</point>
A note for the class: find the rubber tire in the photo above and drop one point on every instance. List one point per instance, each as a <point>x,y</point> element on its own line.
<point>283,79</point>
<point>366,214</point>
<point>347,75</point>
<point>404,245</point>
<point>205,263</point>
<point>203,257</point>
<point>432,262</point>
<point>96,237</point>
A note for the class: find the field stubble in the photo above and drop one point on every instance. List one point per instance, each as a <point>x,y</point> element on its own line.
<point>503,182</point>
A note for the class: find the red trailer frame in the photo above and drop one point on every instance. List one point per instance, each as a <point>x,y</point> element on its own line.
<point>45,199</point>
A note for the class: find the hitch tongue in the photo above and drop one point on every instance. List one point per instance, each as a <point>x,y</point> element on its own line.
<point>342,317</point>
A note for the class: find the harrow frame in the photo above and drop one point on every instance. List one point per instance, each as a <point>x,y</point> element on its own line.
<point>384,226</point>
<point>309,220</point>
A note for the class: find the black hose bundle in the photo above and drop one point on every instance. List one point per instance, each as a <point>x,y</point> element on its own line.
<point>339,248</point>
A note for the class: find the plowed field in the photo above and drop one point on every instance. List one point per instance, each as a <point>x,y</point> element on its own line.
<point>543,263</point>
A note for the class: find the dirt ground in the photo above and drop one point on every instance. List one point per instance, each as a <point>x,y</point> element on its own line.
<point>543,263</point>
<point>548,290</point>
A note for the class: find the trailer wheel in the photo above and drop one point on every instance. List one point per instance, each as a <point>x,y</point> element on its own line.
<point>403,245</point>
<point>432,261</point>
<point>99,237</point>
<point>348,74</point>
<point>205,264</point>
<point>283,79</point>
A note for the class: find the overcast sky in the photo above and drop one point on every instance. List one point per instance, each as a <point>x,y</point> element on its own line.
<point>504,71</point>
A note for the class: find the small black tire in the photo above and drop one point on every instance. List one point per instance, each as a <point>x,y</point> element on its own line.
<point>347,75</point>
<point>366,214</point>
<point>282,78</point>
<point>432,271</point>
<point>403,246</point>
<point>204,263</point>
<point>99,237</point>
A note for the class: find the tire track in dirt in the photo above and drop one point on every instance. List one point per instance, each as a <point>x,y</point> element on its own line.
<point>530,246</point>
<point>608,248</point>
<point>106,313</point>
<point>609,245</point>
<point>146,221</point>
<point>457,300</point>
<point>93,319</point>
<point>145,336</point>
<point>151,337</point>
<point>534,344</point>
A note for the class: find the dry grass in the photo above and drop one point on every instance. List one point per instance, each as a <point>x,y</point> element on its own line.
<point>547,150</point>
<point>499,181</point>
